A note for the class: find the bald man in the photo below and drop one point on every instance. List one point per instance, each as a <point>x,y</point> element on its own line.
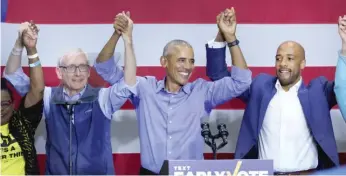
<point>284,120</point>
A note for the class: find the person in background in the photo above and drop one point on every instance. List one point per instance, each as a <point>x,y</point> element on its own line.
<point>169,127</point>
<point>18,152</point>
<point>340,89</point>
<point>91,117</point>
<point>278,104</point>
<point>340,74</point>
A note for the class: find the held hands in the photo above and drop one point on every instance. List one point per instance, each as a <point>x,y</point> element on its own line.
<point>29,36</point>
<point>227,24</point>
<point>123,25</point>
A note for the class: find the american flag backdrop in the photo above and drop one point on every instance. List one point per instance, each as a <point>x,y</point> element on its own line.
<point>262,26</point>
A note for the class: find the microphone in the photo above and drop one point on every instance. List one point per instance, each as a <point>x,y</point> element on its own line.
<point>68,104</point>
<point>206,132</point>
<point>223,132</point>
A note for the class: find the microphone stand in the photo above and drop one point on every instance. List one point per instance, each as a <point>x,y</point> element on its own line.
<point>70,113</point>
<point>223,133</point>
<point>70,110</point>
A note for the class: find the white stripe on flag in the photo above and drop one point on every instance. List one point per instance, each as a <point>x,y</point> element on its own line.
<point>258,42</point>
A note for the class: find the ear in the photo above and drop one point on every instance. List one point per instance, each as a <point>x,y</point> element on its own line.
<point>58,73</point>
<point>302,64</point>
<point>163,61</point>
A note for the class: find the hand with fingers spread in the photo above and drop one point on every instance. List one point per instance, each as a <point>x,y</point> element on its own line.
<point>227,24</point>
<point>342,28</point>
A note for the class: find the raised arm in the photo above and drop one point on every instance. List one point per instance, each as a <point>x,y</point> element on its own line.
<point>216,55</point>
<point>119,92</point>
<point>229,87</point>
<point>13,71</point>
<point>340,74</point>
<point>105,60</point>
<point>35,93</point>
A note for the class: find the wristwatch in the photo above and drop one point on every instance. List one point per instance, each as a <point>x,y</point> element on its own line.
<point>234,43</point>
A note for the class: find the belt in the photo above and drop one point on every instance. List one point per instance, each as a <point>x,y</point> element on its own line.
<point>305,172</point>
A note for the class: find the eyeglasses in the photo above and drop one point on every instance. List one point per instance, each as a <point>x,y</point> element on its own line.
<point>6,103</point>
<point>73,68</point>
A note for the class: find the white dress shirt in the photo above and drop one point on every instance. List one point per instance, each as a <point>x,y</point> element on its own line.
<point>285,136</point>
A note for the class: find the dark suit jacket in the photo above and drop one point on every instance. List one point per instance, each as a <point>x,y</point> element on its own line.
<point>316,99</point>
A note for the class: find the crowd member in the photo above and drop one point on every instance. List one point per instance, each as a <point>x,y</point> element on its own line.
<point>340,75</point>
<point>18,152</point>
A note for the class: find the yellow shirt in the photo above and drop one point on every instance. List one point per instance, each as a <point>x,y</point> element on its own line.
<point>12,159</point>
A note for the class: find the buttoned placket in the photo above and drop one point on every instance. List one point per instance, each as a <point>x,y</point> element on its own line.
<point>169,125</point>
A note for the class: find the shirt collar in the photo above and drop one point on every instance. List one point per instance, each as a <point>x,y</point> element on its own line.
<point>161,86</point>
<point>293,88</point>
<point>79,94</point>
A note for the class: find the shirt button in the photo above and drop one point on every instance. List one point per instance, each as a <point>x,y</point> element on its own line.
<point>169,152</point>
<point>170,137</point>
<point>170,121</point>
<point>170,108</point>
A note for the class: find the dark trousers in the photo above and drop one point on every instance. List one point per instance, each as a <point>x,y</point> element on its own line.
<point>144,171</point>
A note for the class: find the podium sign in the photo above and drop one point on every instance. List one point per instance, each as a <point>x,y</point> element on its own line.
<point>242,167</point>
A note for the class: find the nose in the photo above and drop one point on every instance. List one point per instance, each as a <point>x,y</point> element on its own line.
<point>284,62</point>
<point>77,72</point>
<point>188,66</point>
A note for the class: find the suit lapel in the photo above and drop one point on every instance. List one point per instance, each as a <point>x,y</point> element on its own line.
<point>269,93</point>
<point>303,95</point>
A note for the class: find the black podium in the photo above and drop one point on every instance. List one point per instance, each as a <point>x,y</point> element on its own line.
<point>217,167</point>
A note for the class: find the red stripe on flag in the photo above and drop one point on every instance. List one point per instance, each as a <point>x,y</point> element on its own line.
<point>95,80</point>
<point>178,11</point>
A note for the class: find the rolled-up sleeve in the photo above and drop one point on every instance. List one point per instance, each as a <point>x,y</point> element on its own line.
<point>19,80</point>
<point>340,84</point>
<point>113,98</point>
<point>229,87</point>
<point>216,60</point>
<point>109,70</point>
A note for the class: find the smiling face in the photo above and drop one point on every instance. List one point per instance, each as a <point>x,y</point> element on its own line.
<point>74,70</point>
<point>179,63</point>
<point>290,60</point>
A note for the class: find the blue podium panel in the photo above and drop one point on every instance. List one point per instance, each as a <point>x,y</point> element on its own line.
<point>217,167</point>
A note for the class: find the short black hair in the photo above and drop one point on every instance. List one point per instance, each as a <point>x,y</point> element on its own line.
<point>5,86</point>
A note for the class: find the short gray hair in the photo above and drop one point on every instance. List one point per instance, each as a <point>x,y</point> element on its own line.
<point>72,53</point>
<point>172,43</point>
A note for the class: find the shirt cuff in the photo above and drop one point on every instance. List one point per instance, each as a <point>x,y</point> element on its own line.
<point>132,89</point>
<point>214,44</point>
<point>241,74</point>
<point>19,80</point>
<point>108,65</point>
